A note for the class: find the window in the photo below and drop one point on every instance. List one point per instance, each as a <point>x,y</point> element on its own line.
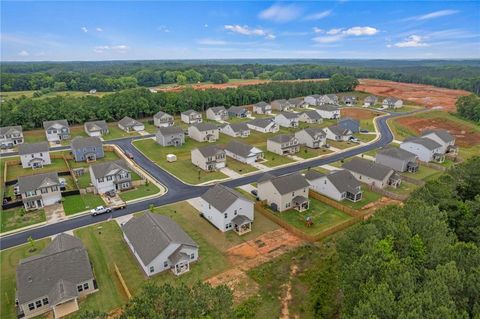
<point>235,212</point>
<point>41,154</point>
<point>100,180</point>
<point>45,301</point>
<point>192,256</point>
<point>38,303</point>
<point>54,188</point>
<point>44,190</point>
<point>325,182</point>
<point>287,205</point>
<point>165,264</point>
<point>209,206</point>
<point>109,178</point>
<point>79,288</point>
<point>293,193</point>
<point>31,306</point>
<point>225,215</point>
<point>152,269</point>
<point>32,155</point>
<point>85,286</point>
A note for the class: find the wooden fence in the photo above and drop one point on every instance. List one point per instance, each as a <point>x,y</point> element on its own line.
<point>348,210</point>
<point>400,197</point>
<point>122,282</point>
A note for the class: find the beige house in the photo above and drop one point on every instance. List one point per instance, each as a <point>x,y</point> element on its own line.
<point>209,158</point>
<point>191,117</point>
<point>39,190</point>
<point>283,145</point>
<point>217,113</point>
<point>203,132</point>
<point>284,192</point>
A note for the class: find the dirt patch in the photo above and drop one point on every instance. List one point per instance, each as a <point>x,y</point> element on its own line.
<point>238,281</point>
<point>358,114</point>
<point>464,136</point>
<point>285,313</point>
<point>426,95</point>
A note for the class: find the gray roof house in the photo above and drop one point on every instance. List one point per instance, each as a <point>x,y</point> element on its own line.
<point>349,100</point>
<point>426,149</point>
<point>338,185</point>
<point>56,130</point>
<point>391,102</point>
<point>284,192</point>
<point>297,102</point>
<point>243,152</point>
<point>372,173</point>
<point>283,144</point>
<point>54,279</point>
<point>281,105</point>
<point>110,176</point>
<point>312,137</point>
<point>130,125</point>
<point>262,108</point>
<point>236,129</point>
<point>87,149</point>
<point>170,136</point>
<point>397,159</point>
<point>217,113</point>
<point>337,133</point>
<point>191,117</point>
<point>209,158</point>
<point>328,111</point>
<point>370,100</point>
<point>39,190</point>
<point>34,155</point>
<point>310,116</point>
<point>443,138</point>
<point>265,125</point>
<point>96,128</point>
<point>11,136</point>
<point>162,119</point>
<point>159,244</point>
<point>350,124</point>
<point>238,111</point>
<point>287,119</point>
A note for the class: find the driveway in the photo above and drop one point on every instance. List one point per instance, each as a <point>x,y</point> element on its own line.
<point>54,213</point>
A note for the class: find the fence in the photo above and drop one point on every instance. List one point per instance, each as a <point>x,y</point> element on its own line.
<point>70,193</point>
<point>400,197</point>
<point>12,205</point>
<point>350,211</point>
<point>122,282</point>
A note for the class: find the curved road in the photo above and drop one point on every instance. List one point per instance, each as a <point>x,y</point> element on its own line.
<point>179,191</point>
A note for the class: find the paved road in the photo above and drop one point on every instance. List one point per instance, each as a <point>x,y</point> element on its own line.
<point>178,191</point>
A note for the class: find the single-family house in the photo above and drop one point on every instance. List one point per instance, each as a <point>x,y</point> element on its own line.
<point>311,117</point>
<point>284,192</point>
<point>209,158</point>
<point>159,244</point>
<point>281,105</point>
<point>328,99</point>
<point>34,155</point>
<point>392,103</point>
<point>311,137</point>
<point>191,117</point>
<point>203,132</point>
<point>397,159</point>
<point>236,129</point>
<point>349,100</point>
<point>39,190</point>
<point>297,102</point>
<point>328,111</point>
<point>130,125</point>
<point>56,131</point>
<point>227,210</point>
<point>312,99</point>
<point>217,113</point>
<point>372,173</point>
<point>238,111</point>
<point>350,124</point>
<point>243,152</point>
<point>337,133</point>
<point>262,108</point>
<point>54,279</point>
<point>87,149</point>
<point>162,119</point>
<point>263,125</point>
<point>443,138</point>
<point>11,136</point>
<point>96,128</point>
<point>111,176</point>
<point>370,101</point>
<point>283,144</point>
<point>170,136</point>
<point>337,185</point>
<point>427,150</point>
<point>287,119</point>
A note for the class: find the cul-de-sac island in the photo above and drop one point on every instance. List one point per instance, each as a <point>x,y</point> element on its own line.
<point>237,188</point>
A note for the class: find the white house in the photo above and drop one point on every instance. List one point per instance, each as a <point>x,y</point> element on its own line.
<point>111,176</point>
<point>392,103</point>
<point>370,101</point>
<point>338,133</point>
<point>39,190</point>
<point>34,155</point>
<point>162,119</point>
<point>263,125</point>
<point>209,158</point>
<point>281,105</point>
<point>427,150</point>
<point>56,131</point>
<point>311,117</point>
<point>11,136</point>
<point>236,130</point>
<point>284,192</point>
<point>283,144</point>
<point>130,125</point>
<point>372,173</point>
<point>311,137</point>
<point>96,128</point>
<point>328,99</point>
<point>287,119</point>
<point>312,99</point>
<point>328,111</point>
<point>243,152</point>
<point>442,137</point>
<point>203,132</point>
<point>337,185</point>
<point>191,117</point>
<point>262,108</point>
<point>227,210</point>
<point>217,113</point>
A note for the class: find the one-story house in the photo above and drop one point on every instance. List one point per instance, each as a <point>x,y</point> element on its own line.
<point>338,185</point>
<point>243,152</point>
<point>372,173</point>
<point>130,125</point>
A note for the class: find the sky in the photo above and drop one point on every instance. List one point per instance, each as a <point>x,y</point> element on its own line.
<point>137,30</point>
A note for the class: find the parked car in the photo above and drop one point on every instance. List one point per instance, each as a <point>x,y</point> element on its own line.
<point>100,210</point>
<point>254,192</point>
<point>129,154</point>
<point>363,130</point>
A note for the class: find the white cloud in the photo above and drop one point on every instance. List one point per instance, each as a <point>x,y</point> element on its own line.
<point>436,14</point>
<point>122,48</point>
<point>99,29</point>
<point>163,28</point>
<point>319,15</point>
<point>359,31</point>
<point>317,30</point>
<point>328,39</point>
<point>413,41</point>
<point>246,30</point>
<point>334,35</point>
<point>205,25</point>
<point>280,13</point>
<point>84,29</point>
<point>334,31</point>
<point>208,41</point>
<point>23,53</point>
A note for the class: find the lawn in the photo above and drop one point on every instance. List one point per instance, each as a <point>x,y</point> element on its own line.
<point>341,144</point>
<point>78,203</point>
<point>424,173</point>
<point>149,127</point>
<point>239,167</point>
<point>114,132</point>
<point>139,192</point>
<point>365,137</point>
<point>367,197</point>
<point>109,156</point>
<point>272,159</point>
<point>367,125</point>
<point>9,260</point>
<point>16,218</point>
<point>405,188</point>
<point>14,171</point>
<point>306,152</point>
<point>34,136</point>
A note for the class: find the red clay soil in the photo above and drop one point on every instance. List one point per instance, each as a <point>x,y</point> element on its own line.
<point>464,136</point>
<point>358,114</point>
<point>426,95</point>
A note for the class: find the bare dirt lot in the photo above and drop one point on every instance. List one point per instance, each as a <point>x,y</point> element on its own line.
<point>358,114</point>
<point>426,95</point>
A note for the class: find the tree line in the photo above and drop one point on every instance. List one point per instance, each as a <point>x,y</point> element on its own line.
<point>468,107</point>
<point>140,102</point>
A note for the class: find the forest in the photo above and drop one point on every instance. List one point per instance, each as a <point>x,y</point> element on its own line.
<point>468,107</point>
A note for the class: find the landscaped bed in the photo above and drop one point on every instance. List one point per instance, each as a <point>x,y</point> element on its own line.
<point>78,203</point>
<point>16,218</point>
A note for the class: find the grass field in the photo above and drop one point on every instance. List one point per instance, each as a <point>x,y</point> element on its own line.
<point>12,95</point>
<point>307,153</point>
<point>78,203</point>
<point>16,218</point>
<point>14,171</point>
<point>139,192</point>
<point>239,167</point>
<point>367,125</point>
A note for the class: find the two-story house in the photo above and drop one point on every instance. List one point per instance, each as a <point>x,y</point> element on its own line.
<point>297,102</point>
<point>130,125</point>
<point>238,111</point>
<point>442,137</point>
<point>191,117</point>
<point>392,103</point>
<point>56,131</point>
<point>235,130</point>
<point>243,152</point>
<point>162,119</point>
<point>203,132</point>
<point>372,173</point>
<point>328,111</point>
<point>337,133</point>
<point>287,119</point>
<point>350,124</point>
<point>39,190</point>
<point>34,155</point>
<point>349,100</point>
<point>170,136</point>
<point>217,113</point>
<point>328,99</point>
<point>311,117</point>
<point>283,145</point>
<point>312,137</point>
<point>337,185</point>
<point>262,108</point>
<point>11,136</point>
<point>263,125</point>
<point>427,150</point>
<point>281,105</point>
<point>398,159</point>
<point>87,149</point>
<point>96,128</point>
<point>284,192</point>
<point>209,158</point>
<point>370,101</point>
<point>111,176</point>
<point>312,100</point>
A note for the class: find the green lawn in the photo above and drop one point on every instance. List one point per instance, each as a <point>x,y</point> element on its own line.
<point>367,125</point>
<point>16,218</point>
<point>34,136</point>
<point>341,144</point>
<point>84,180</point>
<point>139,192</point>
<point>79,203</point>
<point>367,197</point>
<point>149,127</point>
<point>365,137</point>
<point>424,173</point>
<point>307,153</point>
<point>405,188</point>
<point>239,167</point>
<point>14,171</point>
<point>272,159</point>
<point>109,156</point>
<point>9,260</point>
<point>114,132</point>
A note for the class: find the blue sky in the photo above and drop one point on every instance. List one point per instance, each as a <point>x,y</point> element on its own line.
<point>120,30</point>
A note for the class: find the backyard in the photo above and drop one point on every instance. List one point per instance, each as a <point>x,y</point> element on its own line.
<point>16,218</point>
<point>424,173</point>
<point>16,170</point>
<point>367,197</point>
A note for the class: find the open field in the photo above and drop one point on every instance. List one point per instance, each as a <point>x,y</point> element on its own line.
<point>12,95</point>
<point>15,218</point>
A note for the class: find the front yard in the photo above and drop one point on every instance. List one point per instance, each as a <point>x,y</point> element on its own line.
<point>272,159</point>
<point>139,192</point>
<point>306,152</point>
<point>16,218</point>
<point>239,167</point>
<point>78,203</point>
<point>114,132</point>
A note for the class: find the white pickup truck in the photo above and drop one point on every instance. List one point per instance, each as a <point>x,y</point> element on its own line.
<point>100,210</point>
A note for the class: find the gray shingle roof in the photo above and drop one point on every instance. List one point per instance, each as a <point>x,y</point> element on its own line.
<point>314,131</point>
<point>239,148</point>
<point>328,107</point>
<point>210,150</point>
<point>296,101</point>
<point>338,129</point>
<point>396,152</point>
<point>109,168</point>
<point>218,109</point>
<point>426,142</point>
<point>282,138</point>
<point>368,168</point>
<point>81,142</point>
<point>282,102</point>
<point>289,183</point>
<point>48,124</point>
<point>54,272</point>
<point>188,112</point>
<point>261,104</point>
<point>239,127</point>
<point>24,149</point>
<point>241,219</point>
<point>95,126</point>
<point>390,100</point>
<point>129,122</point>
<point>312,175</point>
<point>10,129</point>
<point>344,181</point>
<point>371,98</point>
<point>221,197</point>
<point>312,115</point>
<point>237,110</point>
<point>202,127</point>
<point>160,114</point>
<point>34,182</point>
<point>150,234</point>
<point>169,130</point>
<point>442,134</point>
<point>263,123</point>
<point>289,115</point>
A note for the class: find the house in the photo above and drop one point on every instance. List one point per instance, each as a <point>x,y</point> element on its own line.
<point>203,132</point>
<point>227,210</point>
<point>328,99</point>
<point>328,111</point>
<point>56,131</point>
<point>54,279</point>
<point>281,105</point>
<point>372,173</point>
<point>130,125</point>
<point>243,152</point>
<point>284,192</point>
<point>311,137</point>
<point>162,119</point>
<point>238,111</point>
<point>349,100</point>
<point>370,101</point>
<point>11,136</point>
<point>209,158</point>
<point>39,190</point>
<point>87,149</point>
<point>170,136</point>
<point>283,145</point>
<point>217,113</point>
<point>159,244</point>
<point>443,138</point>
<point>297,102</point>
<point>34,155</point>
<point>311,117</point>
<point>191,117</point>
<point>397,159</point>
<point>262,108</point>
<point>338,133</point>
<point>427,150</point>
<point>337,185</point>
<point>263,125</point>
<point>111,176</point>
<point>392,103</point>
<point>236,130</point>
<point>92,91</point>
<point>312,99</point>
<point>287,119</point>
<point>350,124</point>
<point>96,128</point>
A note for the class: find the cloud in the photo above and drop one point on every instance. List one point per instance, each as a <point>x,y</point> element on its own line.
<point>359,31</point>
<point>122,48</point>
<point>334,31</point>
<point>84,29</point>
<point>317,30</point>
<point>208,41</point>
<point>99,29</point>
<point>23,53</point>
<point>413,41</point>
<point>163,28</point>
<point>205,25</point>
<point>334,35</point>
<point>436,14</point>
<point>246,30</point>
<point>280,13</point>
<point>319,15</point>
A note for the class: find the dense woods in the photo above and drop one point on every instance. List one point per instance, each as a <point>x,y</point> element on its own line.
<point>140,102</point>
<point>469,107</point>
<point>114,76</point>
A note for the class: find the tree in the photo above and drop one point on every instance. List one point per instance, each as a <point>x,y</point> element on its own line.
<point>219,78</point>
<point>469,107</point>
<point>181,79</point>
<point>31,242</point>
<point>60,86</point>
<point>249,75</point>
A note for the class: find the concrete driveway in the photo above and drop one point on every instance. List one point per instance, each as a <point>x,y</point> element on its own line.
<point>54,213</point>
